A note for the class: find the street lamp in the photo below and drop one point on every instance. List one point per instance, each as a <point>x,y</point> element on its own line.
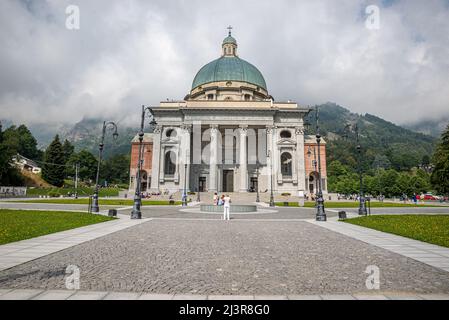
<point>257,184</point>
<point>362,204</point>
<point>320,213</point>
<point>136,213</point>
<point>95,207</point>
<point>184,194</point>
<point>271,179</point>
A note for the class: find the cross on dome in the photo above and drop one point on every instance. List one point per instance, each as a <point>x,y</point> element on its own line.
<point>230,30</point>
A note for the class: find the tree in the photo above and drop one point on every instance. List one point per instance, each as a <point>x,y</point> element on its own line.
<point>116,169</point>
<point>68,149</point>
<point>87,165</point>
<point>53,170</point>
<point>440,174</point>
<point>9,175</point>
<point>20,140</point>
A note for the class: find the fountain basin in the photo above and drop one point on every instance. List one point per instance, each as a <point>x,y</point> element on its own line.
<point>235,208</point>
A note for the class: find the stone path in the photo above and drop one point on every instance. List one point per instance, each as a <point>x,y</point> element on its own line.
<point>427,253</point>
<point>239,257</point>
<point>33,294</point>
<point>16,253</point>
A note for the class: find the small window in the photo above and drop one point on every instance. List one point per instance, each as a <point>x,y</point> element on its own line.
<point>171,133</point>
<point>210,97</point>
<point>247,97</point>
<point>285,134</point>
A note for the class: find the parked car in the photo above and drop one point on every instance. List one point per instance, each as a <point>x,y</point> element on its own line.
<point>428,196</point>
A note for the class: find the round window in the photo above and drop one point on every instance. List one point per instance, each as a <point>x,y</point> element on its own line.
<point>170,133</point>
<point>286,134</point>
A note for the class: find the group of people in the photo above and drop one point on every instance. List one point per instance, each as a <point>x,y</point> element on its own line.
<point>225,201</point>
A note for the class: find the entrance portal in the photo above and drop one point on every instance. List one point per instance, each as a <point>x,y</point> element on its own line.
<point>228,180</point>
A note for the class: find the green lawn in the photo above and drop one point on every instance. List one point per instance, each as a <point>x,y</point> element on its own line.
<point>16,225</point>
<point>428,228</point>
<point>82,191</point>
<point>354,204</point>
<point>111,202</point>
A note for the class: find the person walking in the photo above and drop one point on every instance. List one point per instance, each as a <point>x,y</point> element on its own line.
<point>227,207</point>
<point>215,199</point>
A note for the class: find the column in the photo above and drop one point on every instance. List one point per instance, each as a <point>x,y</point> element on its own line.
<point>186,130</point>
<point>301,171</point>
<point>213,158</point>
<point>243,159</point>
<point>156,159</point>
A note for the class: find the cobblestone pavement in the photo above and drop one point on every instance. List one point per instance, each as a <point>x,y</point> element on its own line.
<point>238,257</point>
<point>281,213</point>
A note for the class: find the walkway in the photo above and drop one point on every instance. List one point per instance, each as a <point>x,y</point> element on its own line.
<point>34,294</point>
<point>16,253</point>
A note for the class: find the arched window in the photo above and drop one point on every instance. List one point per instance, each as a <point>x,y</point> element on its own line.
<point>171,133</point>
<point>286,134</point>
<point>286,164</point>
<point>170,163</point>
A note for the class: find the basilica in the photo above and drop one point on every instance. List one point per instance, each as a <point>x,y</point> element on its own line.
<point>229,135</point>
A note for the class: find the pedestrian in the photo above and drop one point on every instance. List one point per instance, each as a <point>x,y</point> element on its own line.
<point>215,199</point>
<point>221,200</point>
<point>227,207</point>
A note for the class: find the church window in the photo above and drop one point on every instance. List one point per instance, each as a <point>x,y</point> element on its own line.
<point>169,163</point>
<point>171,133</point>
<point>286,134</point>
<point>286,164</point>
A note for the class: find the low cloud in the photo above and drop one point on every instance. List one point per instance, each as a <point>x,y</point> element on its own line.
<point>129,53</point>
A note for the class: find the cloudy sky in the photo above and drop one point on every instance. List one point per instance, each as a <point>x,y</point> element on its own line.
<point>129,52</point>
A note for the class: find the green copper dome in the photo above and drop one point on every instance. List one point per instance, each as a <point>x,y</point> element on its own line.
<point>229,68</point>
<point>229,39</point>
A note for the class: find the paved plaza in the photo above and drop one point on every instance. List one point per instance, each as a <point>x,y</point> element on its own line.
<point>176,252</point>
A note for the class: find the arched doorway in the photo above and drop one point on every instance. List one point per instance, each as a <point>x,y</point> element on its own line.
<point>143,181</point>
<point>313,182</point>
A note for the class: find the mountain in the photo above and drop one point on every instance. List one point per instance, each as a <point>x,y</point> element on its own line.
<point>86,134</point>
<point>431,127</point>
<point>384,144</point>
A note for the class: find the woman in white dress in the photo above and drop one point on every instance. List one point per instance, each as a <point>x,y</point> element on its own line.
<point>227,207</point>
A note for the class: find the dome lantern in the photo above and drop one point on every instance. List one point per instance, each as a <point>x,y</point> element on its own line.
<point>229,44</point>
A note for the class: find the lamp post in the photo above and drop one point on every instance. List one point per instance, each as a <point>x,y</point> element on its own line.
<point>362,204</point>
<point>77,168</point>
<point>257,184</point>
<point>198,198</point>
<point>320,213</point>
<point>95,207</point>
<point>271,179</point>
<point>314,162</point>
<point>184,194</point>
<point>136,213</point>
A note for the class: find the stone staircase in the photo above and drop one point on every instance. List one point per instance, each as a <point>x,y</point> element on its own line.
<point>245,198</point>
